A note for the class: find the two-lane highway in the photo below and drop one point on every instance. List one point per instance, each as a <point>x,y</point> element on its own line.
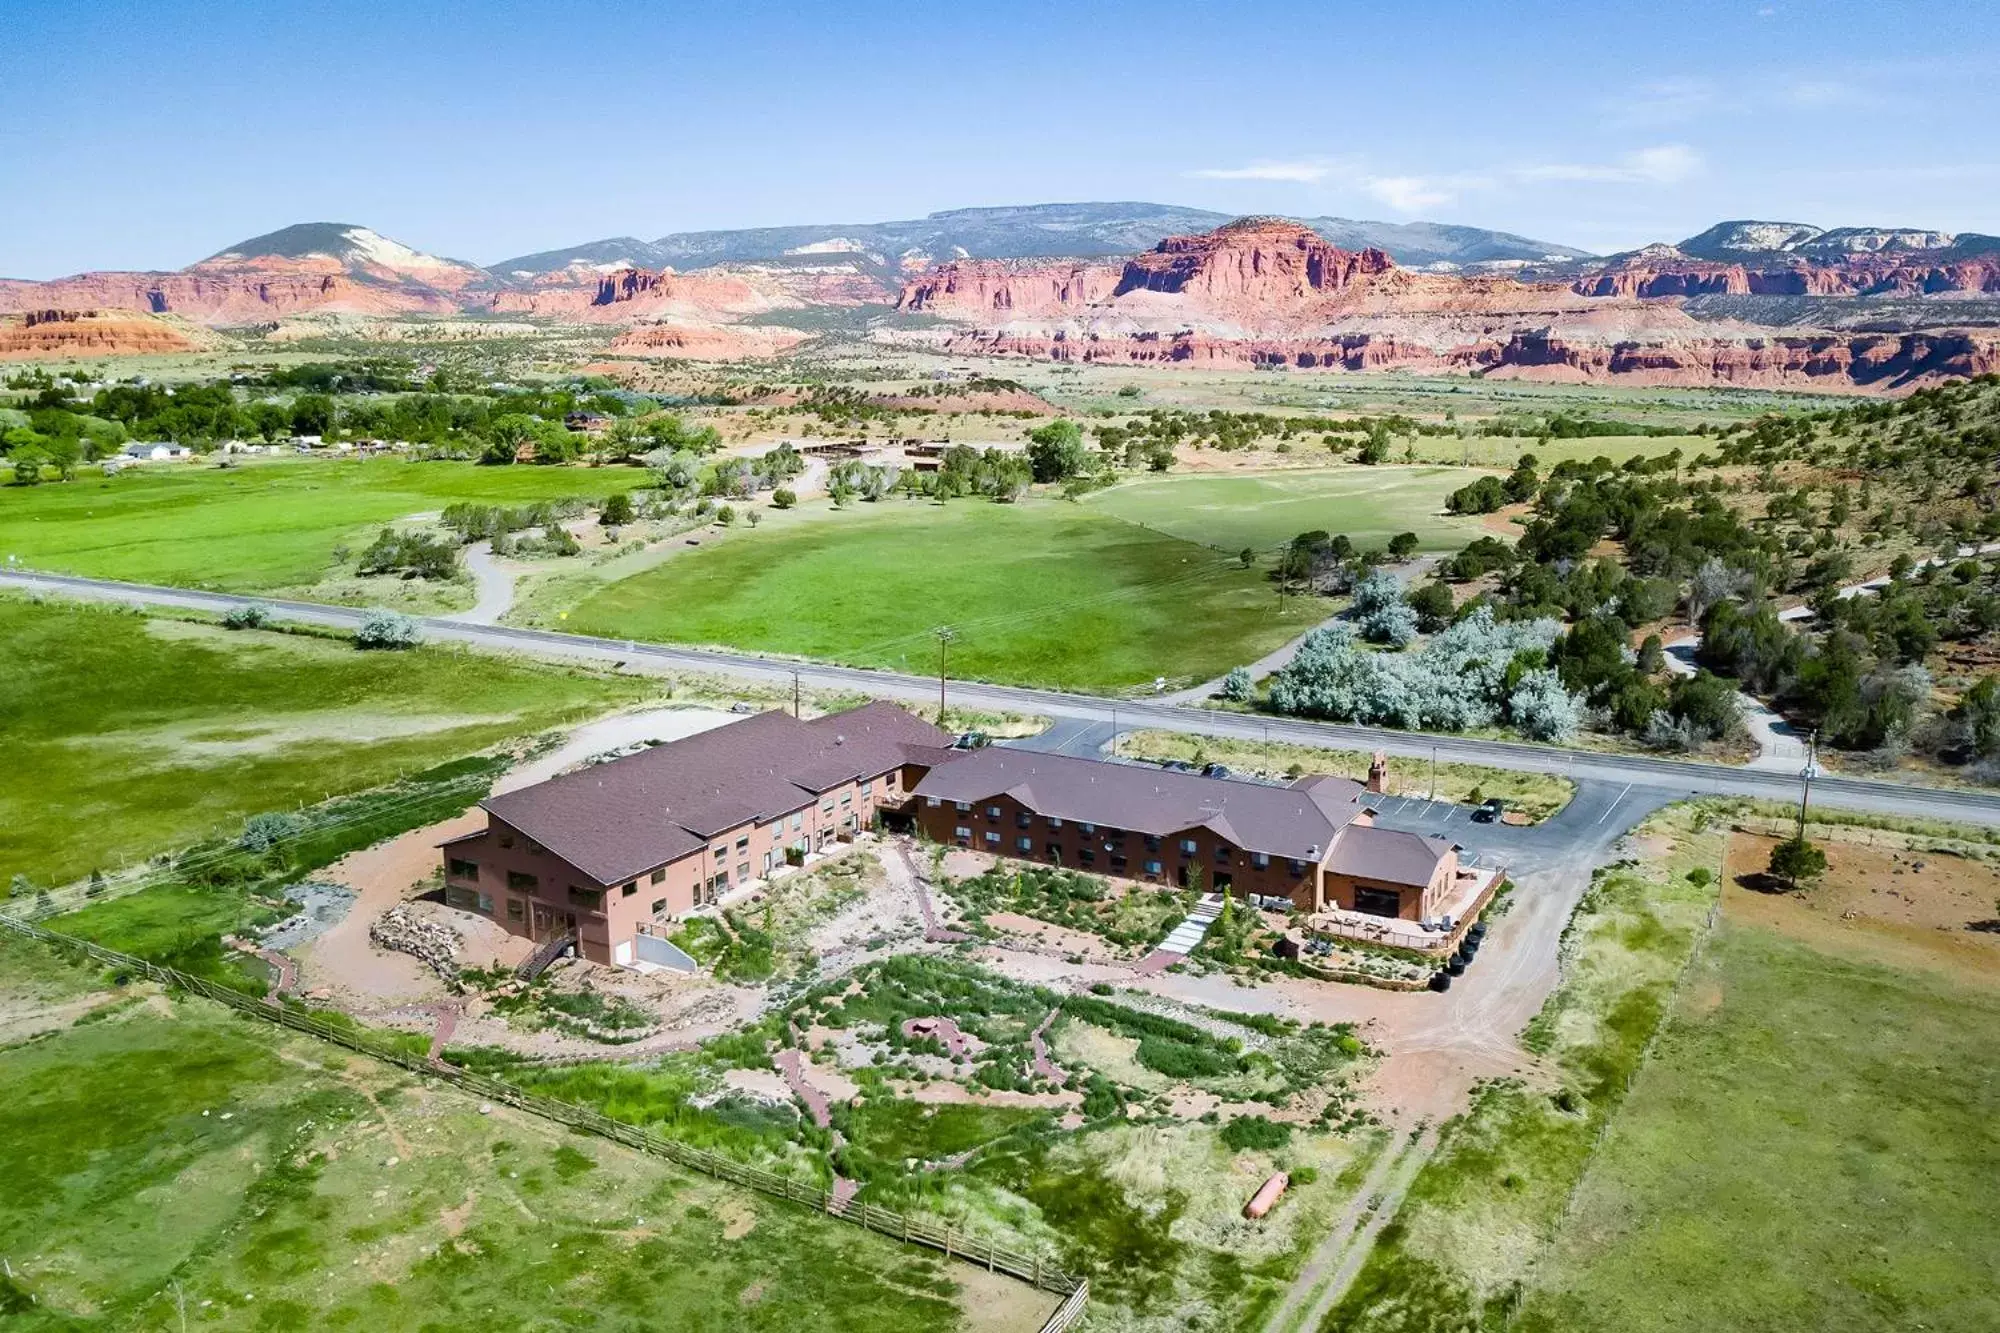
<point>1089,720</point>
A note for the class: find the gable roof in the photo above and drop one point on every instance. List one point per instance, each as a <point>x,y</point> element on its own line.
<point>1367,851</point>
<point>617,820</point>
<point>1299,822</point>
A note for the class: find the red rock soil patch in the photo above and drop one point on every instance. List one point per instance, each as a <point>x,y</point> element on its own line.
<point>1888,905</point>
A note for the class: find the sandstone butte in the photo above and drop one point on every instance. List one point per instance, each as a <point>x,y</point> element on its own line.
<point>1269,293</point>
<point>1259,292</point>
<point>81,333</point>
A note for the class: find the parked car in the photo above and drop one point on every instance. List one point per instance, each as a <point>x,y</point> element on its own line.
<point>1489,810</point>
<point>973,740</point>
<point>1214,771</point>
<point>1177,766</point>
<point>741,707</point>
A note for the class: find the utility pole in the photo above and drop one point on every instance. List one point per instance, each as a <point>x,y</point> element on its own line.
<point>945,634</point>
<point>795,693</point>
<point>1806,775</point>
<point>1114,731</point>
<point>1434,773</point>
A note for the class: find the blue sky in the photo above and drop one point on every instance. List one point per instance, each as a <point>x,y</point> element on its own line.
<point>147,135</point>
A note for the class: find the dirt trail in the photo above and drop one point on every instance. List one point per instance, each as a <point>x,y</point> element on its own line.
<point>1333,1266</point>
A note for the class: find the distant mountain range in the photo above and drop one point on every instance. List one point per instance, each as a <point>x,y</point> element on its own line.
<point>1775,304</point>
<point>1032,231</point>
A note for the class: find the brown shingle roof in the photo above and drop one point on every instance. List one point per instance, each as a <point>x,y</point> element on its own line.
<point>1298,822</point>
<point>1367,852</point>
<point>618,820</point>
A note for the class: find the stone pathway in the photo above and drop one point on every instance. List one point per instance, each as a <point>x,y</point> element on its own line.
<point>920,881</point>
<point>1183,939</point>
<point>1045,1067</point>
<point>447,1023</point>
<point>494,586</point>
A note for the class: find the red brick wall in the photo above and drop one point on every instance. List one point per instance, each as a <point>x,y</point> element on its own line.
<point>1276,879</point>
<point>681,885</point>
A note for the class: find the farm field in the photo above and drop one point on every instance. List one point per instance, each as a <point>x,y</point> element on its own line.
<point>1040,592</point>
<point>130,736</point>
<point>1810,1149</point>
<point>166,1159</point>
<point>1805,1147</point>
<point>1261,512</point>
<point>256,527</point>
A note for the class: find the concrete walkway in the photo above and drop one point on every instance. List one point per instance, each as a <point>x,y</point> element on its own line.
<point>495,587</point>
<point>1183,939</point>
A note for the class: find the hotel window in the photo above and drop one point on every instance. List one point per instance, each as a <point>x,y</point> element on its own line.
<point>993,812</point>
<point>659,906</point>
<point>590,898</point>
<point>826,806</point>
<point>1054,822</point>
<point>1026,844</point>
<point>658,876</point>
<point>867,789</point>
<point>1152,867</point>
<point>799,819</point>
<point>961,833</point>
<point>463,869</point>
<point>1087,855</point>
<point>1152,842</point>
<point>1088,829</point>
<point>1222,855</point>
<point>1118,860</point>
<point>932,802</point>
<point>992,838</point>
<point>1023,819</point>
<point>742,872</point>
<point>1187,845</point>
<point>1261,861</point>
<point>630,890</point>
<point>486,904</point>
<point>1297,868</point>
<point>520,879</point>
<point>743,842</point>
<point>722,851</point>
<point>961,806</point>
<point>516,909</point>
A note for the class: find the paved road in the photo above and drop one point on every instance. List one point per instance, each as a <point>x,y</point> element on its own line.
<point>1676,777</point>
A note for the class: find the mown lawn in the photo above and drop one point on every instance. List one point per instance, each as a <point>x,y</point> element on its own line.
<point>1814,1146</point>
<point>262,525</point>
<point>1044,592</point>
<point>1265,510</point>
<point>169,1157</point>
<point>128,736</point>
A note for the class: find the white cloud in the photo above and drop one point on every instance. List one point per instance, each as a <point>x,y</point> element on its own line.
<point>1412,192</point>
<point>1668,164</point>
<point>1297,173</point>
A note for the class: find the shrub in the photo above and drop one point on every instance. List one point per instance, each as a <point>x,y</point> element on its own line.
<point>1255,1133</point>
<point>265,831</point>
<point>254,616</point>
<point>1180,1059</point>
<point>387,630</point>
<point>617,510</point>
<point>784,498</point>
<point>1237,685</point>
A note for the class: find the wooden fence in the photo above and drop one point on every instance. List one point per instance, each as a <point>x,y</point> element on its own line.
<point>954,1243</point>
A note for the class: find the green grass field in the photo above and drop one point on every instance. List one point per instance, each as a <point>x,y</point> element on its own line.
<point>1043,592</point>
<point>1812,1147</point>
<point>170,1165</point>
<point>129,736</point>
<point>263,525</point>
<point>1265,510</point>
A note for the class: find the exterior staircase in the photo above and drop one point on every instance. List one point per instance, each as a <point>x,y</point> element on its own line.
<point>550,949</point>
<point>1183,939</point>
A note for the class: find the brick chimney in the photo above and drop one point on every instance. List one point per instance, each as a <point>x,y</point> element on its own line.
<point>1378,774</point>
